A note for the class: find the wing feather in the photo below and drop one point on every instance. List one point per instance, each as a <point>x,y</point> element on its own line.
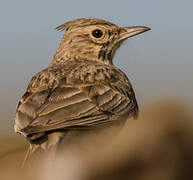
<point>67,106</point>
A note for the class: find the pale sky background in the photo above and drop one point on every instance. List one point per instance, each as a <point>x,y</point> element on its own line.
<point>159,63</point>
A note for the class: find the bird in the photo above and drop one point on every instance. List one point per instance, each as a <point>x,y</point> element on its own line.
<point>81,88</point>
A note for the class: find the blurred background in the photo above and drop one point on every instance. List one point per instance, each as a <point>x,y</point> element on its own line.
<point>159,62</point>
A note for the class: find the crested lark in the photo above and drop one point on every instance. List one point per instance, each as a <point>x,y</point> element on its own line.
<point>81,88</point>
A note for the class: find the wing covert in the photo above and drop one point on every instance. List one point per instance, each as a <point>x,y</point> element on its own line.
<point>68,105</point>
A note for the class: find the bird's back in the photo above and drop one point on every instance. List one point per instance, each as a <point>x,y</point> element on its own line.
<point>76,94</point>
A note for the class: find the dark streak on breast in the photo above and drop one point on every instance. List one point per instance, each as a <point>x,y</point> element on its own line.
<point>109,56</point>
<point>102,54</point>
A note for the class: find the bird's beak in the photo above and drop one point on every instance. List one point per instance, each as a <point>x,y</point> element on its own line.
<point>127,32</point>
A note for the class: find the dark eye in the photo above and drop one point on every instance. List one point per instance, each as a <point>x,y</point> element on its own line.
<point>97,33</point>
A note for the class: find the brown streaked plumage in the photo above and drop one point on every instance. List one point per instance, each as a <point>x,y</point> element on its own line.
<point>81,88</point>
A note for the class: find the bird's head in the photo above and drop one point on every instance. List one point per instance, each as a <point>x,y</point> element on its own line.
<point>92,39</point>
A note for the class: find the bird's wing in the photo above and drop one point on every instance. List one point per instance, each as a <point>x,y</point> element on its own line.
<point>88,97</point>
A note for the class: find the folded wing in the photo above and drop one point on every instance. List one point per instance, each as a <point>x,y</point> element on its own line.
<point>86,105</point>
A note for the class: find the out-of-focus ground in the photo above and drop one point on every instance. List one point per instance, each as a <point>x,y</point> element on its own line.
<point>156,146</point>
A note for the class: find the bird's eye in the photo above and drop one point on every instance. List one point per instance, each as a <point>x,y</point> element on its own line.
<point>97,33</point>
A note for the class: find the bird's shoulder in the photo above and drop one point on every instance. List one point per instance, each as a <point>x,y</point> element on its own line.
<point>93,72</point>
<point>50,77</point>
<point>75,73</point>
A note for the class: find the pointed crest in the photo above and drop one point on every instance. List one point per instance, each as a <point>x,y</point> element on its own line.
<point>81,23</point>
